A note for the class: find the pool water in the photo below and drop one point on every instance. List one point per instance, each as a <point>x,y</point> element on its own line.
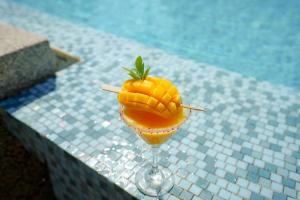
<point>255,38</point>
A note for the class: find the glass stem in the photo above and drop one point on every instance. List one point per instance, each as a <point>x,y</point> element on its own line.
<point>155,151</point>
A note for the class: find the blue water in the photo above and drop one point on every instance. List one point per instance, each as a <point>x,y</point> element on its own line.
<point>255,38</point>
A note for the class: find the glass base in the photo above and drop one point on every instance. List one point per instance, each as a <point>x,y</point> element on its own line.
<point>154,182</point>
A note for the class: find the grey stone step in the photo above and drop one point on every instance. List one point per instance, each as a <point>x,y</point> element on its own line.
<point>25,59</point>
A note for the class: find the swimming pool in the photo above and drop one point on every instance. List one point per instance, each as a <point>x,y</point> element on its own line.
<point>255,38</point>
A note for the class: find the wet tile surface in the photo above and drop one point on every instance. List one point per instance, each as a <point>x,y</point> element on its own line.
<point>245,146</point>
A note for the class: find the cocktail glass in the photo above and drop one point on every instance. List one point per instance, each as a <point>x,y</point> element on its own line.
<point>153,179</point>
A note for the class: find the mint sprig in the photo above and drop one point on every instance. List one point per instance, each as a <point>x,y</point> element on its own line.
<point>139,72</point>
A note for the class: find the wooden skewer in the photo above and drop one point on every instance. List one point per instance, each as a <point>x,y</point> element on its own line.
<point>114,89</point>
<point>64,54</point>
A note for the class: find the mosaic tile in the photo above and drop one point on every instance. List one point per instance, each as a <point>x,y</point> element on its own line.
<point>277,187</point>
<point>267,193</point>
<point>245,193</point>
<point>234,197</point>
<point>233,188</point>
<point>252,177</point>
<point>202,183</point>
<point>290,192</point>
<point>231,177</point>
<point>278,196</point>
<point>289,183</point>
<point>186,195</point>
<point>255,196</point>
<point>206,195</point>
<point>195,190</point>
<point>224,194</point>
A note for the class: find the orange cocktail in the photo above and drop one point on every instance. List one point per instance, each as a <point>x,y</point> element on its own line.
<point>149,122</point>
<point>152,106</point>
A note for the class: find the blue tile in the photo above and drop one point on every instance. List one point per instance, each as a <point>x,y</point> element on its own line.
<point>246,151</point>
<point>202,183</point>
<point>200,140</point>
<point>176,191</point>
<point>255,196</point>
<point>272,113</point>
<point>202,148</point>
<point>291,134</point>
<point>237,140</point>
<point>226,130</point>
<point>69,119</point>
<point>181,155</point>
<point>210,168</point>
<point>251,124</point>
<point>253,169</point>
<point>278,136</point>
<point>275,147</point>
<point>220,108</point>
<point>292,121</point>
<point>230,177</point>
<point>289,183</point>
<point>191,168</point>
<point>273,123</point>
<point>279,196</point>
<point>209,159</point>
<point>264,173</point>
<point>252,177</point>
<point>71,137</point>
<point>184,184</point>
<point>163,162</point>
<point>270,167</point>
<point>206,195</point>
<point>186,195</point>
<point>296,154</point>
<point>237,155</point>
<point>252,134</point>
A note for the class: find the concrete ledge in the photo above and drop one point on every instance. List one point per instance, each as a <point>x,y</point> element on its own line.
<point>24,60</point>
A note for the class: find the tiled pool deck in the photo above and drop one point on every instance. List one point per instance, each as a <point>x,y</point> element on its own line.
<point>245,146</point>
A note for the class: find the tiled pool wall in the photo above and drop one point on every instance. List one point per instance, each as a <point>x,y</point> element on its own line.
<point>69,176</point>
<point>245,146</point>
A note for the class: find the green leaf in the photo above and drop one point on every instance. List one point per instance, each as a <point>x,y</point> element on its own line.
<point>133,75</point>
<point>138,72</point>
<point>139,66</point>
<point>146,73</point>
<point>127,69</point>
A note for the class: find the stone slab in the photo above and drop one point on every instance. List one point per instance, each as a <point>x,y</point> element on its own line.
<point>25,59</point>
